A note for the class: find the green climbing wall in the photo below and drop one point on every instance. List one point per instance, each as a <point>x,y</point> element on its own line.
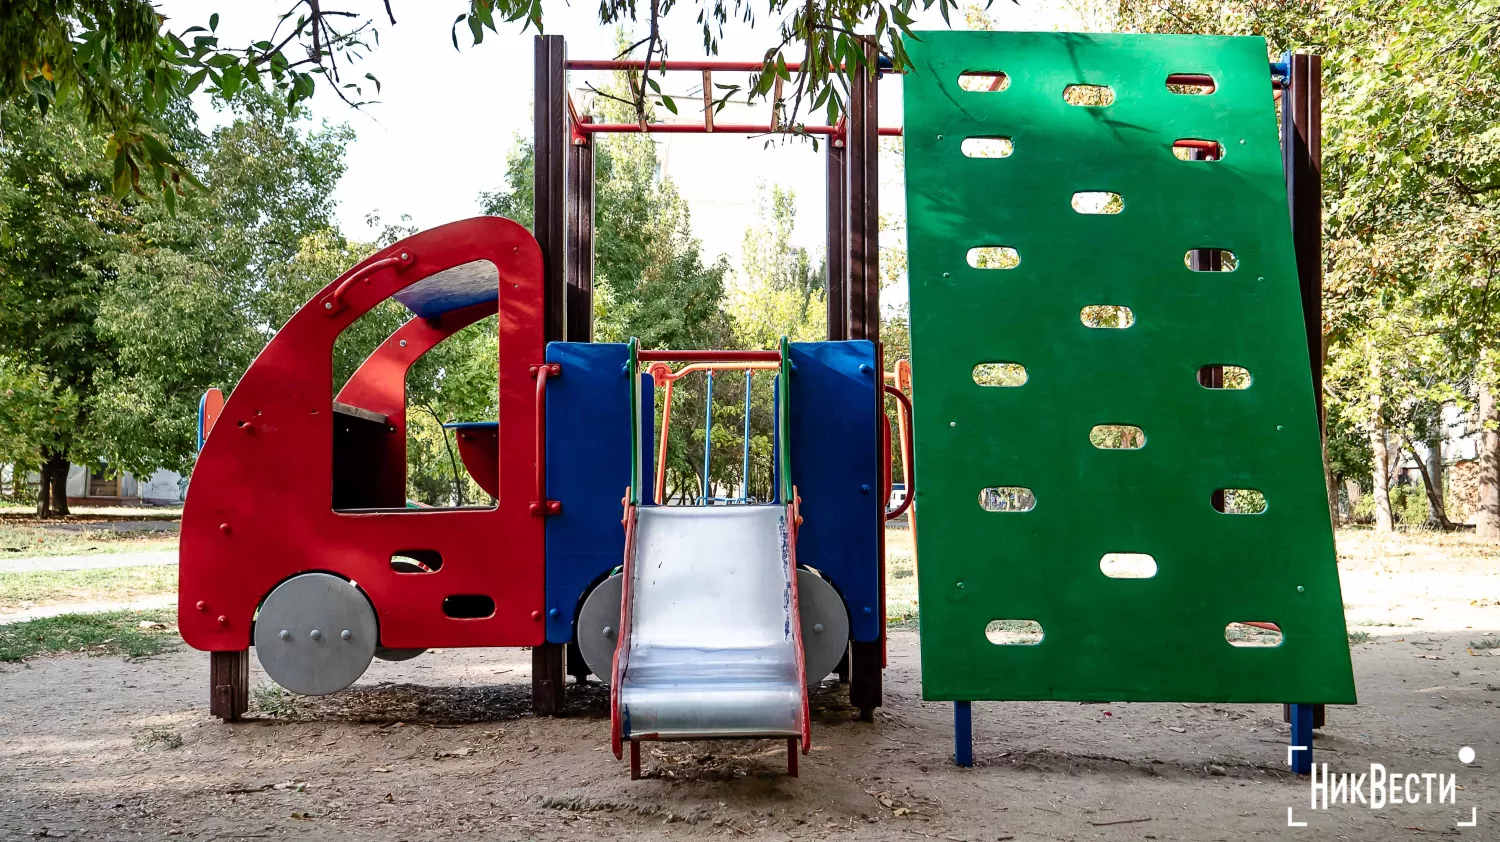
<point>1103,638</point>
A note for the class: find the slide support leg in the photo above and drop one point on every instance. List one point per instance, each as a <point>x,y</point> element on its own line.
<point>791,757</point>
<point>963,734</point>
<point>635,760</point>
<point>1302,738</point>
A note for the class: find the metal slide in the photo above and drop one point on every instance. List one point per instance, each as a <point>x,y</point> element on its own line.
<point>711,644</point>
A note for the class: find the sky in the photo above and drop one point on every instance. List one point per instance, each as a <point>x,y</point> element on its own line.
<point>445,119</point>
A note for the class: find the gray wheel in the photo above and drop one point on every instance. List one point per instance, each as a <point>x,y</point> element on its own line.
<point>599,626</point>
<point>825,626</point>
<point>315,634</point>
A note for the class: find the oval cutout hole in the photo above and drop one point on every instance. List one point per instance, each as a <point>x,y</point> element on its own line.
<point>1006,498</point>
<point>1195,149</point>
<point>994,257</point>
<point>1253,634</point>
<point>987,147</point>
<point>468,606</point>
<point>1127,566</point>
<point>1114,316</point>
<point>1224,377</point>
<point>983,81</point>
<point>1014,632</point>
<point>1117,437</point>
<point>1211,260</point>
<point>1241,501</point>
<point>1098,202</point>
<point>1000,374</point>
<point>1088,95</point>
<point>416,561</point>
<point>1199,84</point>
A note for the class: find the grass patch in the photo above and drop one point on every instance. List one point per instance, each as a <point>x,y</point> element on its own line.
<point>271,700</point>
<point>105,584</point>
<point>1359,637</point>
<point>900,578</point>
<point>134,634</point>
<point>157,735</point>
<point>30,538</point>
<point>1485,643</point>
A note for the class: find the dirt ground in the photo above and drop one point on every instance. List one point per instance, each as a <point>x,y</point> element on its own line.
<point>444,746</point>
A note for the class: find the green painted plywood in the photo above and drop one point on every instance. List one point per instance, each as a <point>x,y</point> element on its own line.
<point>1159,638</point>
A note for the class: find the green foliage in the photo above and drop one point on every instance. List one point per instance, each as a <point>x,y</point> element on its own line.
<point>134,634</point>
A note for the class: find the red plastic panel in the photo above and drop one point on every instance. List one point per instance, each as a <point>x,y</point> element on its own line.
<point>260,510</point>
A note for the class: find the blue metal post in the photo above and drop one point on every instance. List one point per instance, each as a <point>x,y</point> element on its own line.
<point>1302,739</point>
<point>745,470</point>
<point>963,734</point>
<point>708,437</point>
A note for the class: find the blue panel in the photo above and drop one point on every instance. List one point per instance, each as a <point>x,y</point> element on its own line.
<point>648,441</point>
<point>483,425</point>
<point>452,289</point>
<point>588,468</point>
<point>835,450</point>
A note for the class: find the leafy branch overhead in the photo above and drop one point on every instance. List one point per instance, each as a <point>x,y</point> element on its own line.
<point>129,66</point>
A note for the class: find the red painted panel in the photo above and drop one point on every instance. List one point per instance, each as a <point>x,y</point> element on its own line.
<point>261,509</point>
<point>480,451</point>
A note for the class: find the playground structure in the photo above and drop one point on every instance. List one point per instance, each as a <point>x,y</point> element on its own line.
<point>711,621</point>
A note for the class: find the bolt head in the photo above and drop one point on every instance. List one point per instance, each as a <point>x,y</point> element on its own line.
<point>315,634</point>
<point>817,628</point>
<point>346,634</point>
<point>403,343</point>
<point>286,634</point>
<point>327,305</point>
<point>609,631</point>
<point>223,620</point>
<point>202,606</point>
<point>864,489</point>
<point>868,610</point>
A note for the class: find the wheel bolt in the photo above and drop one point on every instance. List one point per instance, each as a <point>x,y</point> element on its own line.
<point>346,634</point>
<point>285,634</point>
<point>817,628</point>
<point>315,634</point>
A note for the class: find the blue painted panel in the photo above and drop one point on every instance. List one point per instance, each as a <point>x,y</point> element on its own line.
<point>451,289</point>
<point>588,468</point>
<point>835,455</point>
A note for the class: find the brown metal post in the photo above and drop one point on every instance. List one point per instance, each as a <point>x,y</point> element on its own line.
<point>550,219</point>
<point>1302,158</point>
<point>861,305</point>
<point>550,227</point>
<point>838,249</point>
<point>580,259</point>
<point>229,684</point>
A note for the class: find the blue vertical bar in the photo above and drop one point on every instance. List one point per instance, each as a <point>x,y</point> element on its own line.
<point>745,470</point>
<point>648,441</point>
<point>708,437</point>
<point>963,734</point>
<point>776,439</point>
<point>1302,735</point>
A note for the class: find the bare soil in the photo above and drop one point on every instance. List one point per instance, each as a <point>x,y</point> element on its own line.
<point>444,746</point>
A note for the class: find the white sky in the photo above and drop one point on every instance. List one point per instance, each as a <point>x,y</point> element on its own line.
<point>446,119</point>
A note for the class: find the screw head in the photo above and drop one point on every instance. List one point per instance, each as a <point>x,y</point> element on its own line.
<point>327,305</point>
<point>609,631</point>
<point>864,368</point>
<point>405,256</point>
<point>403,343</point>
<point>286,634</point>
<point>224,528</point>
<point>864,489</point>
<point>868,610</point>
<point>202,606</point>
<point>315,634</point>
<point>346,634</point>
<point>553,613</point>
<point>817,628</point>
<point>223,620</point>
<point>1300,589</point>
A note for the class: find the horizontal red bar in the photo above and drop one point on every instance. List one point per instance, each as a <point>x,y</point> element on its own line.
<point>676,356</point>
<point>719,128</point>
<point>637,64</point>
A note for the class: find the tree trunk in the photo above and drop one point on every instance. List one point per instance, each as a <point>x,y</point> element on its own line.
<point>1437,518</point>
<point>1353,492</point>
<point>44,489</point>
<point>1437,513</point>
<point>1381,487</point>
<point>1487,515</point>
<point>60,465</point>
<point>1330,484</point>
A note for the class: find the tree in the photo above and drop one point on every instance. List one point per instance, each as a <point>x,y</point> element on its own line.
<point>124,64</point>
<point>60,230</point>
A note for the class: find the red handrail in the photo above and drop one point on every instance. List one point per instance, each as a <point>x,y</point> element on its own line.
<point>335,302</point>
<point>907,474</point>
<point>541,505</point>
